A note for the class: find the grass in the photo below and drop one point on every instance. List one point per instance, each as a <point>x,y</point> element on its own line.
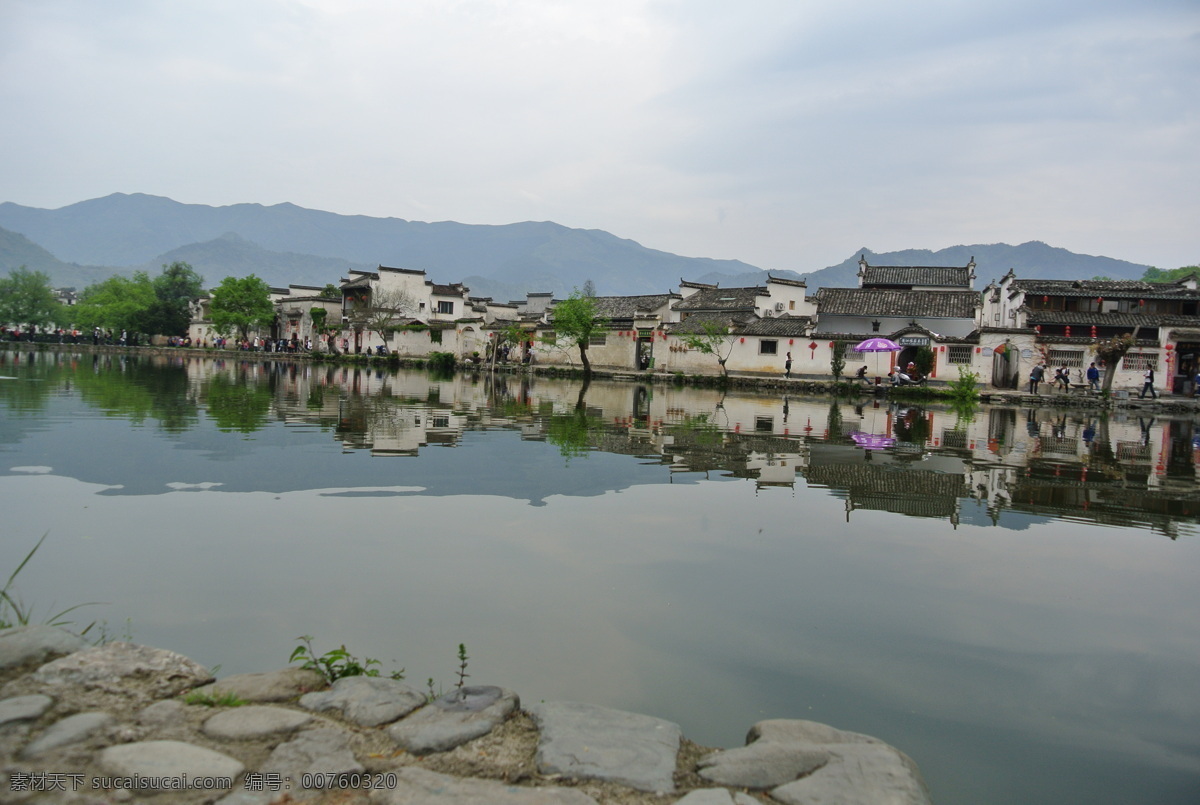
<point>336,663</point>
<point>14,612</point>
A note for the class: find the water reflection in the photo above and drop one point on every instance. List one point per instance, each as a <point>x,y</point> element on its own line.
<point>984,466</point>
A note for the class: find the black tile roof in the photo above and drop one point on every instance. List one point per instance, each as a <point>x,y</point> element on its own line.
<point>936,276</point>
<point>1129,320</point>
<point>875,302</point>
<point>625,307</point>
<point>784,326</point>
<point>730,299</point>
<point>1107,289</point>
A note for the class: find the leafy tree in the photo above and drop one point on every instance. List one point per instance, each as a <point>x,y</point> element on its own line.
<point>241,304</point>
<point>174,289</point>
<point>331,291</point>
<point>26,298</point>
<point>713,339</point>
<point>575,320</point>
<point>117,303</point>
<point>1169,275</point>
<point>837,361</point>
<point>924,359</point>
<point>589,288</point>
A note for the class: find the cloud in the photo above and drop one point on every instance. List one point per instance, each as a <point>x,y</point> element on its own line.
<point>783,134</point>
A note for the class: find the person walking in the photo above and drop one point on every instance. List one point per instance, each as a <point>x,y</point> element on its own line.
<point>787,367</point>
<point>1035,376</point>
<point>1093,377</point>
<point>1148,385</point>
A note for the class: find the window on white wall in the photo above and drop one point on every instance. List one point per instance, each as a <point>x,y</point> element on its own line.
<point>768,347</point>
<point>1140,361</point>
<point>958,353</point>
<point>1066,357</point>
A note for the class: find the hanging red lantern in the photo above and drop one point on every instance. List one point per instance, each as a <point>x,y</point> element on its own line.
<point>1093,331</point>
<point>831,344</point>
<point>1068,331</point>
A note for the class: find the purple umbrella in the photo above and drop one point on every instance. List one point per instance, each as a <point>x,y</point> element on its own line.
<point>877,345</point>
<point>872,441</point>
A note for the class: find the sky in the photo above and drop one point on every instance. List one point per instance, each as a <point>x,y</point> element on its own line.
<point>785,133</point>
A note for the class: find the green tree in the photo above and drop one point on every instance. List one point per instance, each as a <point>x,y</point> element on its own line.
<point>331,291</point>
<point>1169,275</point>
<point>26,298</point>
<point>117,303</point>
<point>174,289</point>
<point>576,319</point>
<point>241,304</point>
<point>924,359</point>
<point>837,361</point>
<point>712,338</point>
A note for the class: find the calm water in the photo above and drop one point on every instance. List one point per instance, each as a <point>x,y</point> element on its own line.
<point>1010,597</point>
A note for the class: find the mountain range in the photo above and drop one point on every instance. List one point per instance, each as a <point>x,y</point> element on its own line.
<point>286,244</point>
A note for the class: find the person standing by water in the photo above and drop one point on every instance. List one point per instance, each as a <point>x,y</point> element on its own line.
<point>787,367</point>
<point>1035,376</point>
<point>1148,385</point>
<point>1093,377</point>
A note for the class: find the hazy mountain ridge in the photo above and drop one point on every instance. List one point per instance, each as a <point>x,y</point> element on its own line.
<point>286,244</point>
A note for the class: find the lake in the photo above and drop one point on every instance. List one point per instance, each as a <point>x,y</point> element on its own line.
<point>1009,596</point>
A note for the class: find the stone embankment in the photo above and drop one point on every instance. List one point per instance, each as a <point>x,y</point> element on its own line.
<point>85,724</point>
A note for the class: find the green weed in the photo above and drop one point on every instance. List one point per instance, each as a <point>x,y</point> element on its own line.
<point>336,664</point>
<point>216,699</point>
<point>14,612</point>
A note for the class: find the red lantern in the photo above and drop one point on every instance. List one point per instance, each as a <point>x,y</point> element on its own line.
<point>790,342</point>
<point>743,339</point>
<point>1068,331</point>
<point>1170,346</point>
<point>831,344</point>
<point>1093,331</point>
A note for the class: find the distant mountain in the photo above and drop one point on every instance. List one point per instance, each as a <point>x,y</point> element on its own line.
<point>17,251</point>
<point>285,244</point>
<point>1034,260</point>
<point>233,255</point>
<point>141,230</point>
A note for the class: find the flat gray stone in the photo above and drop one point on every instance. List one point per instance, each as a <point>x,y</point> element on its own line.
<point>159,714</point>
<point>419,786</point>
<point>159,763</point>
<point>762,765</point>
<point>859,774</point>
<point>716,796</point>
<point>253,721</point>
<point>366,700</point>
<point>454,719</point>
<point>111,666</point>
<point>585,741</point>
<point>36,644</point>
<point>271,686</point>
<point>24,708</point>
<point>319,751</point>
<point>67,731</point>
<point>797,730</point>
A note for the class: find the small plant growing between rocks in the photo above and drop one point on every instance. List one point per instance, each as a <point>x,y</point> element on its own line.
<point>218,699</point>
<point>336,663</point>
<point>462,669</point>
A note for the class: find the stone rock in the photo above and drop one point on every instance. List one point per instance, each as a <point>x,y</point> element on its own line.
<point>113,666</point>
<point>454,719</point>
<point>796,730</point>
<point>419,786</point>
<point>857,770</point>
<point>24,708</point>
<point>319,751</point>
<point>716,796</point>
<point>859,774</point>
<point>254,721</point>
<point>160,763</point>
<point>762,765</point>
<point>160,714</point>
<point>366,700</point>
<point>586,741</point>
<point>69,730</point>
<point>272,686</point>
<point>36,644</point>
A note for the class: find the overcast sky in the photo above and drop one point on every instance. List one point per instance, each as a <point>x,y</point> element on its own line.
<point>787,134</point>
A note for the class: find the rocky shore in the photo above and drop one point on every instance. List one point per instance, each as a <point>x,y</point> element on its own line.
<point>120,723</point>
